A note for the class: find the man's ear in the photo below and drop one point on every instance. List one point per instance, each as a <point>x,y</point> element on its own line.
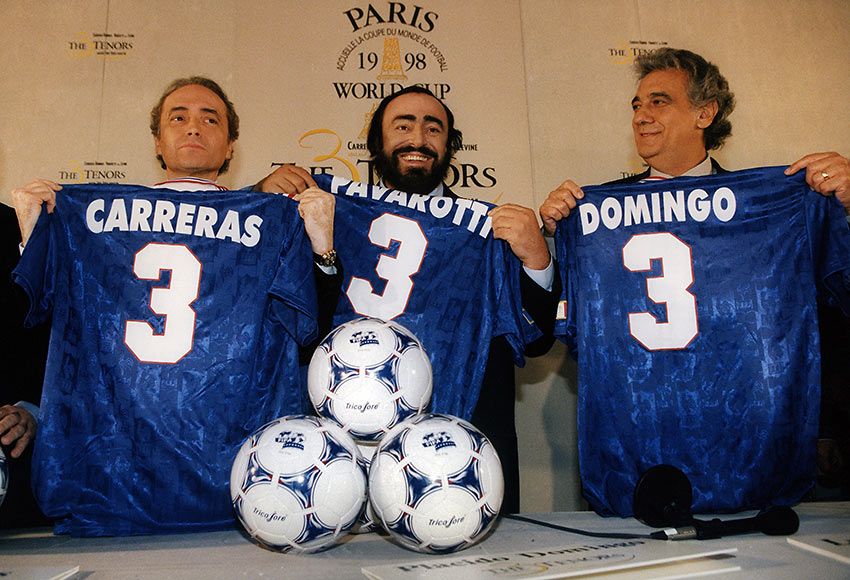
<point>706,114</point>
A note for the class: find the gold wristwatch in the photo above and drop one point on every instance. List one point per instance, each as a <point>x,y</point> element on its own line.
<point>327,259</point>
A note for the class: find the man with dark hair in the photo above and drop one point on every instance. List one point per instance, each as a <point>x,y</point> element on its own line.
<point>412,138</point>
<point>416,179</point>
<point>681,112</point>
<point>231,116</point>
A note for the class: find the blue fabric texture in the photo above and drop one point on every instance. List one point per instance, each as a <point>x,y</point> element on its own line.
<point>176,318</point>
<point>691,307</point>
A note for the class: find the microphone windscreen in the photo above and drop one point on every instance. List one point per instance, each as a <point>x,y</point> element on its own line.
<point>778,521</point>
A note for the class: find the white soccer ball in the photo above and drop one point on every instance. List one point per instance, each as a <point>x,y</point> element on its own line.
<point>368,375</point>
<point>4,476</point>
<point>298,484</point>
<point>436,484</point>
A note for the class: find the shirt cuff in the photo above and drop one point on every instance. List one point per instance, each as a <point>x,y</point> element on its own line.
<point>329,270</point>
<point>543,278</point>
<point>33,410</point>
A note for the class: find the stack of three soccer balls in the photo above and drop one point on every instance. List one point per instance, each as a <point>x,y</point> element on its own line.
<point>432,481</point>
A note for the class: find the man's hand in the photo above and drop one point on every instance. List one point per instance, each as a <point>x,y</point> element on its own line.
<point>17,426</point>
<point>826,173</point>
<point>28,201</point>
<point>559,204</point>
<point>316,208</point>
<point>289,179</point>
<point>518,226</point>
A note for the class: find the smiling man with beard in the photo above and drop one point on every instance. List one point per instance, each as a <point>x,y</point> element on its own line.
<point>412,139</point>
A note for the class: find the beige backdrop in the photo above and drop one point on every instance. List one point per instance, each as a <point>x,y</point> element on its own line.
<point>540,88</point>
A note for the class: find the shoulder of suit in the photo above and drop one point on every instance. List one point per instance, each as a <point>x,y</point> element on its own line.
<point>629,179</point>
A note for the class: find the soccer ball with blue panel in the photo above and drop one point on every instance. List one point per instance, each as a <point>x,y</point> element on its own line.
<point>298,484</point>
<point>368,375</point>
<point>436,484</point>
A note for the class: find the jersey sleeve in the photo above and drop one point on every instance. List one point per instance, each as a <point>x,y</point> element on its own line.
<point>35,272</point>
<point>565,318</point>
<point>513,321</point>
<point>294,285</point>
<point>829,235</point>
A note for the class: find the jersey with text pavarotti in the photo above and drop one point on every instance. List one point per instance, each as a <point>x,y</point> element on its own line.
<point>175,323</point>
<point>432,265</point>
<point>691,306</point>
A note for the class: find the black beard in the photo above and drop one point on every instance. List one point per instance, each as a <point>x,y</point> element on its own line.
<point>415,180</point>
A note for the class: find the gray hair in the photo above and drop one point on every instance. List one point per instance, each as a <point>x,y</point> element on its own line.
<point>705,84</point>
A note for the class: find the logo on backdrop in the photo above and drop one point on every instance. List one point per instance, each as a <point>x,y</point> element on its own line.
<point>94,172</point>
<point>102,44</point>
<point>386,47</point>
<point>624,52</point>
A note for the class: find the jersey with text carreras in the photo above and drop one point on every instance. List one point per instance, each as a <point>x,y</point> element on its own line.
<point>432,265</point>
<point>691,305</point>
<point>175,323</point>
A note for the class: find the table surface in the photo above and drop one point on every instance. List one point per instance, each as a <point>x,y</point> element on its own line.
<point>230,554</point>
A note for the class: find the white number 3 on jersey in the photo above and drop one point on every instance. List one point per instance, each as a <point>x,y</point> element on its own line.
<point>396,270</point>
<point>173,302</point>
<point>671,288</point>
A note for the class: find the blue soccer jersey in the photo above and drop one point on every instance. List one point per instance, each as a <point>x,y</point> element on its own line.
<point>691,305</point>
<point>175,318</point>
<point>432,265</point>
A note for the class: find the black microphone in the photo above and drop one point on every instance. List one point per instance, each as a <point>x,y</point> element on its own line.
<point>774,521</point>
<point>663,497</point>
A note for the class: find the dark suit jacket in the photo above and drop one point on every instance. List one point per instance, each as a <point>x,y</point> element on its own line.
<point>22,360</point>
<point>494,412</point>
<point>635,178</point>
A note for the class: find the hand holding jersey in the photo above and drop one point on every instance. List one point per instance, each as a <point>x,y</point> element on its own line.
<point>17,428</point>
<point>517,225</point>
<point>288,179</point>
<point>29,200</point>
<point>558,205</point>
<point>316,206</point>
<point>826,173</point>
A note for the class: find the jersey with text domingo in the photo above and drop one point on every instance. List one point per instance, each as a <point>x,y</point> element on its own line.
<point>691,307</point>
<point>432,265</point>
<point>175,323</point>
